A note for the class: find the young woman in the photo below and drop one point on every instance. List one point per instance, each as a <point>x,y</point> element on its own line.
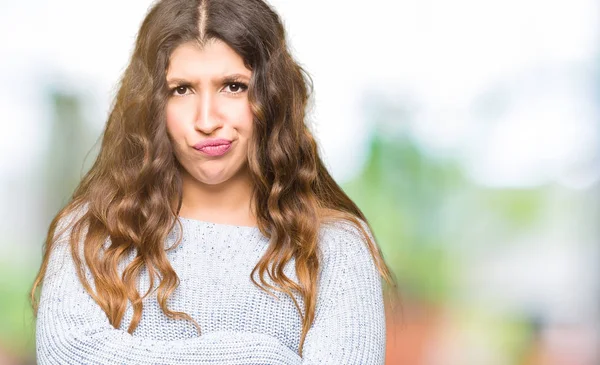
<point>208,229</point>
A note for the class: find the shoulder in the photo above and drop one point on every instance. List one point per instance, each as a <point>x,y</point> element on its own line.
<point>343,242</point>
<point>65,224</point>
<point>344,234</point>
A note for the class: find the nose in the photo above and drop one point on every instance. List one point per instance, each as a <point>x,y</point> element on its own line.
<point>207,120</point>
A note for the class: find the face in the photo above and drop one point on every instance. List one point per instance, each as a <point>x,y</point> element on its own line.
<point>209,119</point>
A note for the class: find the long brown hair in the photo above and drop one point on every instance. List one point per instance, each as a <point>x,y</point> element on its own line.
<point>133,192</point>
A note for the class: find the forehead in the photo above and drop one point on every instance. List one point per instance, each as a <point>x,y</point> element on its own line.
<point>215,57</point>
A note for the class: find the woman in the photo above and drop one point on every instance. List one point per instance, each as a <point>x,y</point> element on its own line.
<point>208,229</point>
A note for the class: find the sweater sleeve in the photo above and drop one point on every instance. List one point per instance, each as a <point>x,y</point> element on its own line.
<point>349,325</point>
<point>72,329</point>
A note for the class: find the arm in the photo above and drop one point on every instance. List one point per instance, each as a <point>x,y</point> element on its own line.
<point>349,325</point>
<point>72,329</point>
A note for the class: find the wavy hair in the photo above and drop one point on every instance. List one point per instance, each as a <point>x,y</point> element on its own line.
<point>133,191</point>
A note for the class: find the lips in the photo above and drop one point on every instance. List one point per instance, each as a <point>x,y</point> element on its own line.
<point>212,142</point>
<point>213,147</point>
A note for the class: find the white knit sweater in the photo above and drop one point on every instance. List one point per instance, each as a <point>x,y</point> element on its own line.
<point>240,323</point>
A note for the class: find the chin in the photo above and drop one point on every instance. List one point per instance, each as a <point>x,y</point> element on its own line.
<point>213,176</point>
<point>212,179</point>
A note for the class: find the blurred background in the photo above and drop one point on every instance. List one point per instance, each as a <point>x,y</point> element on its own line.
<point>468,132</point>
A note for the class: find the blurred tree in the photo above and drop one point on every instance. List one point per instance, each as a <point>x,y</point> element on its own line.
<point>426,213</point>
<point>403,193</point>
<point>70,142</point>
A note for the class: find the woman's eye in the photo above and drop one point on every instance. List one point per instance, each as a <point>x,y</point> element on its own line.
<point>236,87</point>
<point>180,90</point>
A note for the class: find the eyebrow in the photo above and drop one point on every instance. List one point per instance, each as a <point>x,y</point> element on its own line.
<point>225,78</point>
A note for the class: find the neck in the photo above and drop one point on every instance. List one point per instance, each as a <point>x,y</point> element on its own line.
<point>228,202</point>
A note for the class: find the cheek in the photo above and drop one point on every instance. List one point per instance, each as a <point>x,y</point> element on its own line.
<point>175,123</point>
<point>242,115</point>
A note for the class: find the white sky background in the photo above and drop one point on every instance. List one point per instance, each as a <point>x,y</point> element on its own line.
<point>535,57</point>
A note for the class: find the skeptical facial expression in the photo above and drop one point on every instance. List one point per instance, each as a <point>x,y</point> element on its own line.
<point>209,119</point>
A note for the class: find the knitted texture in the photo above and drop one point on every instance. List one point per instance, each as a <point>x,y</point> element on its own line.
<point>240,323</point>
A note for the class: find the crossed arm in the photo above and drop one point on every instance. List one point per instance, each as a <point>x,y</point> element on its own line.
<point>349,325</point>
